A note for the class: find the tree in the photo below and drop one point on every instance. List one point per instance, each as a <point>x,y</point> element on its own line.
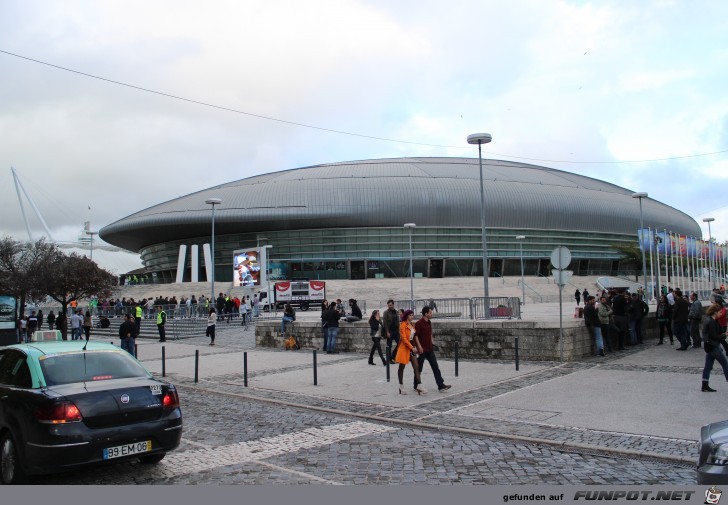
<point>632,255</point>
<point>24,269</point>
<point>75,277</point>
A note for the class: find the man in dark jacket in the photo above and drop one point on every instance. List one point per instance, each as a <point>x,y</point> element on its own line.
<point>680,312</point>
<point>695,315</point>
<point>619,309</point>
<point>127,335</point>
<point>591,319</point>
<point>638,309</point>
<point>356,314</point>
<point>332,316</point>
<point>391,327</point>
<point>423,334</point>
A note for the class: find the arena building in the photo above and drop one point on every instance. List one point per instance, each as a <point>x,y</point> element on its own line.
<point>345,221</point>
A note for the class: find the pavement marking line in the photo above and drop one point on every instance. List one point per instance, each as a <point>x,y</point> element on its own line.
<point>301,474</point>
<point>480,402</point>
<point>255,450</point>
<point>196,444</point>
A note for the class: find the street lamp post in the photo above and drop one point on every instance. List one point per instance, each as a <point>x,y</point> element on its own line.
<point>520,239</point>
<point>640,196</point>
<point>410,227</point>
<point>213,202</point>
<point>480,139</point>
<point>710,252</point>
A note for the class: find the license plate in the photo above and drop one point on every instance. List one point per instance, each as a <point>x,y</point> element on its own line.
<point>128,449</point>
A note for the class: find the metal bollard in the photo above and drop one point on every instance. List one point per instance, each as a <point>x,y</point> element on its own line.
<point>245,369</point>
<point>516,354</point>
<point>197,364</point>
<point>389,357</point>
<point>315,372</point>
<point>164,364</point>
<point>457,349</point>
<point>136,350</point>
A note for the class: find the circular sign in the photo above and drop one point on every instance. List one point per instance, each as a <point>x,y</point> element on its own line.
<point>561,257</point>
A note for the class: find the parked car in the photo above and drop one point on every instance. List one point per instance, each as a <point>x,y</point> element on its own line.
<point>66,404</point>
<point>713,458</point>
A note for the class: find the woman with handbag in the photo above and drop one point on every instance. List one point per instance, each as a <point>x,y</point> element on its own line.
<point>408,343</point>
<point>375,331</point>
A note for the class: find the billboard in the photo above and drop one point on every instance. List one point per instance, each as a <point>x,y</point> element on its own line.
<point>7,312</point>
<point>246,267</point>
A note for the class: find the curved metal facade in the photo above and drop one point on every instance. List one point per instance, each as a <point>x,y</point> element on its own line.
<point>363,205</point>
<point>439,192</point>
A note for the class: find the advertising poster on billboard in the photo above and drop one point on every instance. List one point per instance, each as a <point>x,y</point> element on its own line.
<point>7,312</point>
<point>246,267</point>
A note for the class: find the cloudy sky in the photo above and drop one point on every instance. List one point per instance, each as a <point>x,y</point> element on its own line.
<point>632,92</point>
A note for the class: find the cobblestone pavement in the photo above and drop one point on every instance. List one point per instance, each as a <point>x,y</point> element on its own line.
<point>231,440</point>
<point>451,410</point>
<point>238,435</point>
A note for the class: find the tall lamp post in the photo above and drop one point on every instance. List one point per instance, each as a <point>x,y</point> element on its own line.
<point>410,227</point>
<point>710,251</point>
<point>213,202</point>
<point>640,196</point>
<point>520,239</point>
<point>480,139</point>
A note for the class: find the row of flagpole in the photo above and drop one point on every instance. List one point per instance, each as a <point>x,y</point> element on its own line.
<point>696,269</point>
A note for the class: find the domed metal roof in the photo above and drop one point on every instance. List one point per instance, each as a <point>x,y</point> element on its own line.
<point>439,192</point>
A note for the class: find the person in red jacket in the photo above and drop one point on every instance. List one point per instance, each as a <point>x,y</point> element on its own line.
<point>423,333</point>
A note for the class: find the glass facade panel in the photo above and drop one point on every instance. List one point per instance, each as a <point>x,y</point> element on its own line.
<point>314,251</point>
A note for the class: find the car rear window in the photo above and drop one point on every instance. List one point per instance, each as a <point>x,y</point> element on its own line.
<point>89,366</point>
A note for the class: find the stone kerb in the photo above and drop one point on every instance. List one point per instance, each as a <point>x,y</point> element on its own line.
<point>494,340</point>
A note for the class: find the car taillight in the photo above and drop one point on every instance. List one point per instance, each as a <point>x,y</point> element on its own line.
<point>170,400</point>
<point>58,413</point>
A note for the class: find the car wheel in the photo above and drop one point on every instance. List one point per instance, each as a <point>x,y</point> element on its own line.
<point>304,307</point>
<point>11,471</point>
<point>153,459</point>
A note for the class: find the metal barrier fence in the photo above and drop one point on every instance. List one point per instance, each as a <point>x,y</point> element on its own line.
<point>459,308</point>
<point>498,307</point>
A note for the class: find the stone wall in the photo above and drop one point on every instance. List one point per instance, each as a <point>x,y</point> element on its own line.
<point>475,339</point>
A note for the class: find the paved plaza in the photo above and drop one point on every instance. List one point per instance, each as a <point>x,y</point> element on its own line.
<point>630,418</point>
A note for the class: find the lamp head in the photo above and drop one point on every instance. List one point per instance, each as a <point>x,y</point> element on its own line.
<point>520,237</point>
<point>410,225</point>
<point>639,195</point>
<point>708,219</point>
<point>213,201</point>
<point>479,138</point>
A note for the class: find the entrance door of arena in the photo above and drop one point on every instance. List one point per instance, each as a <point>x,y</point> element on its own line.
<point>436,268</point>
<point>357,270</point>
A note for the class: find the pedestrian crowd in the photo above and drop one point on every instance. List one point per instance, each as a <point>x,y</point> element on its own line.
<point>618,320</point>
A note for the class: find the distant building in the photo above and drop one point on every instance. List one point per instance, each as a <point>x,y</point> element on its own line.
<point>345,221</point>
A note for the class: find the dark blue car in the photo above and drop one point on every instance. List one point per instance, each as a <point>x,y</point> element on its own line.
<point>71,403</point>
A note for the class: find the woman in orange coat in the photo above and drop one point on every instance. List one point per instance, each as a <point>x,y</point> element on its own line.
<point>405,352</point>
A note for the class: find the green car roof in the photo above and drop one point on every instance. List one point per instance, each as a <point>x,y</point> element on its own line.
<point>37,349</point>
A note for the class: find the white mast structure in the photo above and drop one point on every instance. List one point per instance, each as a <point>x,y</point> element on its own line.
<point>19,186</point>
